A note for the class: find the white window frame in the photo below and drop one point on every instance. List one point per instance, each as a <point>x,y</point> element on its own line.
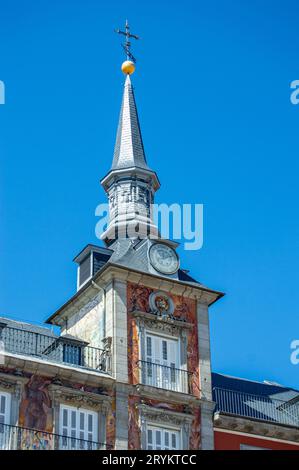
<point>177,339</point>
<point>75,432</point>
<point>7,412</point>
<point>5,419</point>
<point>163,429</point>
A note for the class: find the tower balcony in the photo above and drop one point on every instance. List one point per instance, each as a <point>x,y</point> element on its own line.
<point>52,348</point>
<point>165,377</point>
<point>19,438</point>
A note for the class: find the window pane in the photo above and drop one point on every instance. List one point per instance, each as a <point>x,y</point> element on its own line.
<point>149,346</point>
<point>150,436</point>
<point>173,441</point>
<point>158,438</point>
<point>2,404</point>
<point>166,439</point>
<point>64,417</point>
<point>73,419</point>
<point>90,423</point>
<point>82,420</point>
<point>164,349</point>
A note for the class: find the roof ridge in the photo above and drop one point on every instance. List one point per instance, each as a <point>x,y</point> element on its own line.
<point>253,381</point>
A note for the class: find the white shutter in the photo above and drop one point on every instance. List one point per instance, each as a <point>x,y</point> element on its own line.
<point>79,425</point>
<point>158,435</point>
<point>159,438</point>
<point>162,360</point>
<point>149,360</point>
<point>150,439</point>
<point>174,440</point>
<point>5,431</point>
<point>166,440</point>
<point>5,399</point>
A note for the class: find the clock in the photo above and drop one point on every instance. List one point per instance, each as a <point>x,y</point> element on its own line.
<point>163,258</point>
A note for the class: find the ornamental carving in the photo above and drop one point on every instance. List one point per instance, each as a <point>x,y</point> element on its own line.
<point>165,417</point>
<point>160,326</point>
<point>7,384</point>
<point>79,400</point>
<point>139,299</point>
<point>161,305</point>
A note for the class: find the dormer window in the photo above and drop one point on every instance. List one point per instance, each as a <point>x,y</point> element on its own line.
<point>90,261</point>
<point>85,270</point>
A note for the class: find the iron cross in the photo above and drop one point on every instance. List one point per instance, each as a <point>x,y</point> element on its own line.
<point>127,45</point>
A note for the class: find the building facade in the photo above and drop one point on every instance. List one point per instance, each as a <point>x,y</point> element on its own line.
<point>130,367</point>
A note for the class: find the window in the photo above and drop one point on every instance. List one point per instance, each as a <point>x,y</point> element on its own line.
<point>5,401</point>
<point>162,439</point>
<point>79,428</point>
<point>72,354</point>
<point>162,363</point>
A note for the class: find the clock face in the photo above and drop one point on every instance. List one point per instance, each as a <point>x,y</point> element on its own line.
<point>163,258</point>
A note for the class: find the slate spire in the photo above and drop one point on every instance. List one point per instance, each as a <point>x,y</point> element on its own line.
<point>129,150</point>
<point>130,183</point>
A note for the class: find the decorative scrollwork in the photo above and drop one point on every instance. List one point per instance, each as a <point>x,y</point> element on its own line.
<point>163,416</point>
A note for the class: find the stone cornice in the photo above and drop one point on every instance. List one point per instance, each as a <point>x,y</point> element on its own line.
<point>256,428</point>
<point>168,322</point>
<point>146,391</point>
<point>161,415</point>
<point>80,398</point>
<point>34,365</point>
<point>112,271</point>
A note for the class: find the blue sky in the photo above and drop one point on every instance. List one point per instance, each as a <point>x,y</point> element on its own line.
<point>212,87</point>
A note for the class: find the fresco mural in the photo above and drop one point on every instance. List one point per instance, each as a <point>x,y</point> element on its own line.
<point>184,310</point>
<point>110,426</point>
<point>195,432</point>
<point>138,299</point>
<point>36,407</point>
<point>36,441</point>
<point>134,437</point>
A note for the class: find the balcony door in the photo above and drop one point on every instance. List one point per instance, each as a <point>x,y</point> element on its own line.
<point>162,362</point>
<point>5,429</point>
<point>78,428</point>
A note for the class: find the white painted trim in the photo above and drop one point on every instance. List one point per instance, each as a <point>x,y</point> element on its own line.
<point>167,427</point>
<point>78,409</point>
<point>7,411</point>
<point>256,436</point>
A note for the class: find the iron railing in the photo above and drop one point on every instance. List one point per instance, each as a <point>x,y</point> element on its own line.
<point>169,378</point>
<point>53,348</point>
<point>263,408</point>
<point>18,438</point>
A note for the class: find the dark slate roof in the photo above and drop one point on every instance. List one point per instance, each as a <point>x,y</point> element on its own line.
<point>43,330</point>
<point>184,276</point>
<point>249,386</point>
<point>129,150</point>
<point>256,400</point>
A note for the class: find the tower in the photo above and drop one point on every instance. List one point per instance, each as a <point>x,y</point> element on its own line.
<point>148,316</point>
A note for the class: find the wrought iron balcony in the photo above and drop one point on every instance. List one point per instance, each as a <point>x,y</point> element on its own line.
<point>54,348</point>
<point>168,378</point>
<point>257,407</point>
<point>18,438</point>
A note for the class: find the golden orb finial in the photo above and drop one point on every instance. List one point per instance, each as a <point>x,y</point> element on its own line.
<point>128,67</point>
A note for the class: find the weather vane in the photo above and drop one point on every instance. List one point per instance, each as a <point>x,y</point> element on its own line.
<point>128,66</point>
